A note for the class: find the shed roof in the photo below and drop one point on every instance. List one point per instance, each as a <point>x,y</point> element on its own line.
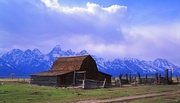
<point>50,73</point>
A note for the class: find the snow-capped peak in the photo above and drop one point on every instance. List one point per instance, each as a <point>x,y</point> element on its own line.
<point>37,51</point>
<point>162,62</point>
<point>34,61</point>
<point>15,51</point>
<point>57,48</point>
<point>83,52</point>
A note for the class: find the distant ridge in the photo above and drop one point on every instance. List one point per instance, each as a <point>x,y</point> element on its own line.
<point>24,63</point>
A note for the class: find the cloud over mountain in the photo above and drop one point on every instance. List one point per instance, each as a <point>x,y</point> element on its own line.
<point>145,30</point>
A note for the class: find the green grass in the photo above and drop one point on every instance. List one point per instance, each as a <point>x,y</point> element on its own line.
<point>26,93</point>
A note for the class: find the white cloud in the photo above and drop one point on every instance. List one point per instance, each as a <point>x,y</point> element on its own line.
<point>100,30</point>
<point>51,3</point>
<point>143,42</point>
<point>90,8</point>
<point>153,41</point>
<point>49,21</point>
<point>93,19</point>
<point>155,33</point>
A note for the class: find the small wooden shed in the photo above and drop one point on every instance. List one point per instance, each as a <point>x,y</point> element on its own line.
<point>73,71</point>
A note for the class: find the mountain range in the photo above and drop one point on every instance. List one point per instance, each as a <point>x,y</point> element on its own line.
<point>24,63</point>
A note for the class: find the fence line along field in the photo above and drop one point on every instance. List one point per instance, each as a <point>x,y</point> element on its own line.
<point>25,80</point>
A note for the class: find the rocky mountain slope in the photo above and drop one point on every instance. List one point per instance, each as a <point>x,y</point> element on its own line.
<point>24,63</point>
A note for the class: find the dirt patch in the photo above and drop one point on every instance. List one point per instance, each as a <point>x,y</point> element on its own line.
<point>135,97</point>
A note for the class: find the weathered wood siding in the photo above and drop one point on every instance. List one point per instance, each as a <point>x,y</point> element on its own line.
<point>89,64</point>
<point>92,75</point>
<point>43,80</point>
<point>66,79</point>
<point>101,76</point>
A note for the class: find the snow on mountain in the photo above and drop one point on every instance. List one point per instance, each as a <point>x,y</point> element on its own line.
<point>24,63</point>
<point>131,65</point>
<point>83,52</point>
<point>69,53</point>
<point>165,64</point>
<point>5,68</point>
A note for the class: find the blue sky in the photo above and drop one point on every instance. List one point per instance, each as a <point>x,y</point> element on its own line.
<point>143,29</point>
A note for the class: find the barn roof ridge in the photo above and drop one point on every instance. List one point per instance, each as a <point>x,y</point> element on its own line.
<point>67,63</point>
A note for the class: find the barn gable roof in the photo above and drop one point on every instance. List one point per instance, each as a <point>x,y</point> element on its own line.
<point>68,63</point>
<point>64,65</point>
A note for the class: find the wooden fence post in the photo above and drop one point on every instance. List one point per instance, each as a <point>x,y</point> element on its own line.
<point>127,78</point>
<point>139,78</point>
<point>156,78</point>
<point>135,80</point>
<point>12,75</point>
<point>171,76</point>
<point>83,84</point>
<point>167,77</point>
<point>146,79</point>
<point>120,81</point>
<point>130,78</point>
<point>104,83</point>
<point>177,80</point>
<point>160,78</point>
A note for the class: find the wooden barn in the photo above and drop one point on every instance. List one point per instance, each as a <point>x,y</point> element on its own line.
<point>79,71</point>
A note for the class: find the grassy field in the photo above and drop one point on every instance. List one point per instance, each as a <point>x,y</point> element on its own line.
<point>26,93</point>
